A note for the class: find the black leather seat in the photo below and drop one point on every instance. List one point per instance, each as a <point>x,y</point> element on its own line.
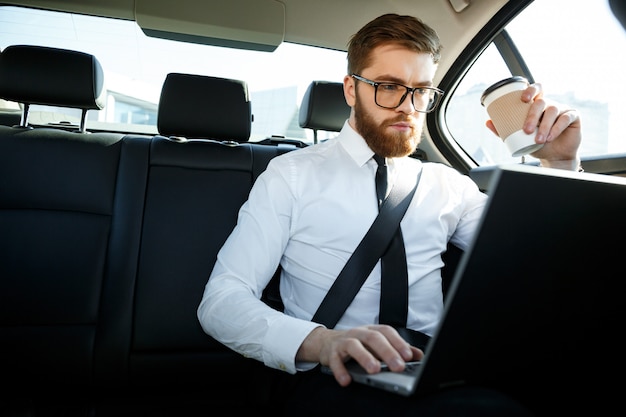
<point>201,169</point>
<point>107,242</point>
<point>57,197</point>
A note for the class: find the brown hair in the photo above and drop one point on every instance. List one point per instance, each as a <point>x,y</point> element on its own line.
<point>408,31</point>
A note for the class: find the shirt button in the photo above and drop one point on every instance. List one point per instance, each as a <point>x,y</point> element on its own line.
<point>282,366</point>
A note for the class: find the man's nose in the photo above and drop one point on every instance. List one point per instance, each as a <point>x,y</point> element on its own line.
<point>407,106</point>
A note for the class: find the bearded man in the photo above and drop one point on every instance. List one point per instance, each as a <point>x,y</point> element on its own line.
<point>309,210</point>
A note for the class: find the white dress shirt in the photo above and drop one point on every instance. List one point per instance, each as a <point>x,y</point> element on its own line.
<point>308,211</point>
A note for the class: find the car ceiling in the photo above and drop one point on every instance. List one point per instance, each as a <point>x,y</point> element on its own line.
<point>264,24</point>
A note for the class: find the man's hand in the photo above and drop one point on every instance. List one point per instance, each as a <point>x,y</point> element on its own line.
<point>559,129</point>
<point>368,345</point>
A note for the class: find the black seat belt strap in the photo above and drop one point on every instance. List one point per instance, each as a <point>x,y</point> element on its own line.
<point>367,253</point>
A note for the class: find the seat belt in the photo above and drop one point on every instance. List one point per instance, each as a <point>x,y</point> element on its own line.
<point>368,252</point>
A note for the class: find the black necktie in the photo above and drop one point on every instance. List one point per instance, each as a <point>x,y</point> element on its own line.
<point>382,179</point>
<point>394,299</point>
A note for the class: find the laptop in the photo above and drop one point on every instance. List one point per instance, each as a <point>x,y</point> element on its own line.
<point>536,288</point>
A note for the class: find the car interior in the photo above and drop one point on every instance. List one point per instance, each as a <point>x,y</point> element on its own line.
<point>108,235</point>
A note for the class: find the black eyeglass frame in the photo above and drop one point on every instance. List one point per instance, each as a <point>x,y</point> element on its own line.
<point>437,97</point>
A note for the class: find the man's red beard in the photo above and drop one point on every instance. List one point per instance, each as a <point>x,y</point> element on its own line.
<point>383,142</point>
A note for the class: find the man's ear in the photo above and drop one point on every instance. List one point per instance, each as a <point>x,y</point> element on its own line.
<point>349,90</point>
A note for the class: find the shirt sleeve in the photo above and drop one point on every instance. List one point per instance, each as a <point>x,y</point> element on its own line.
<point>231,310</point>
<point>473,204</point>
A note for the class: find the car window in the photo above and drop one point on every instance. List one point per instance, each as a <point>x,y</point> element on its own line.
<point>136,65</point>
<point>583,66</point>
<point>584,71</point>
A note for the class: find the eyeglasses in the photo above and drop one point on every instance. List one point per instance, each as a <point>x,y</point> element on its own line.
<point>392,95</point>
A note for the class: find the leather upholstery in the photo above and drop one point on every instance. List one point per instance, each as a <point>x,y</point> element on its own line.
<point>51,76</point>
<point>107,242</point>
<point>324,107</point>
<point>196,106</point>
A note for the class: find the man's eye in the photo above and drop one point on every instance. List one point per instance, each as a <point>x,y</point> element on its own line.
<point>390,88</point>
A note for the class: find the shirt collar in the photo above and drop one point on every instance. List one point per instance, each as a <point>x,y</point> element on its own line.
<point>354,144</point>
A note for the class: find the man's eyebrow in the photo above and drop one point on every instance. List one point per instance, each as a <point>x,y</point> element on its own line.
<point>392,79</point>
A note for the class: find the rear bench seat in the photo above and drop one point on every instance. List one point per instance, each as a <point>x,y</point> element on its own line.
<point>106,242</point>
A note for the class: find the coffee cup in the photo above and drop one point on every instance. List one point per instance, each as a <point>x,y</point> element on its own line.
<point>508,112</point>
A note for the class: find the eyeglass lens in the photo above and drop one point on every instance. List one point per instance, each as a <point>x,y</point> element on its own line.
<point>392,95</point>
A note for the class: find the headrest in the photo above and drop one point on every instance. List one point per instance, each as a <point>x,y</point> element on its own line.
<point>50,76</point>
<point>324,107</point>
<point>197,106</point>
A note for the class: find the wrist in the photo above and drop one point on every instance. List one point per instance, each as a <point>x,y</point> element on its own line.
<point>311,346</point>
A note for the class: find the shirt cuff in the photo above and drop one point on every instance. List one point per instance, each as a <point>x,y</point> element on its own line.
<point>283,339</point>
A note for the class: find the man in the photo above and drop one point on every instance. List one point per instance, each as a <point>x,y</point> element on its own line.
<point>310,208</point>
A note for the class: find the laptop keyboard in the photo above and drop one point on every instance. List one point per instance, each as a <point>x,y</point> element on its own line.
<point>409,367</point>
